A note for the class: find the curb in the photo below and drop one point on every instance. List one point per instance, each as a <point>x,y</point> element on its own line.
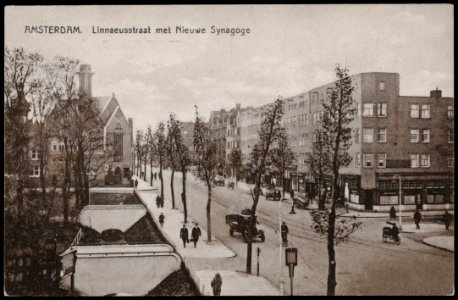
<point>438,247</point>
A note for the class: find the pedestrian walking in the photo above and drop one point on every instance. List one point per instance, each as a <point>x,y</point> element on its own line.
<point>291,192</point>
<point>217,282</point>
<point>136,182</point>
<point>392,213</point>
<point>161,203</point>
<point>195,234</point>
<point>417,218</point>
<point>447,219</point>
<point>284,232</point>
<point>158,201</point>
<point>161,219</point>
<point>184,235</point>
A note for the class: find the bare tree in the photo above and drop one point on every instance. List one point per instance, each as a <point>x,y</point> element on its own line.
<point>19,81</point>
<point>170,147</point>
<point>269,133</point>
<point>281,155</point>
<point>159,141</point>
<point>207,157</point>
<point>150,149</point>
<point>319,165</point>
<point>236,163</point>
<point>183,161</point>
<point>339,110</point>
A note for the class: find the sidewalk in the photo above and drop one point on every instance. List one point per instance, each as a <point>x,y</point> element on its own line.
<point>409,214</point>
<point>442,242</point>
<point>201,260</point>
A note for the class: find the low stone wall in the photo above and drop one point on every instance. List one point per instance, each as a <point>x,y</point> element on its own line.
<point>131,269</point>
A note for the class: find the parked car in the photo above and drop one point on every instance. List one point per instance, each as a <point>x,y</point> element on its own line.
<point>240,223</point>
<point>219,180</point>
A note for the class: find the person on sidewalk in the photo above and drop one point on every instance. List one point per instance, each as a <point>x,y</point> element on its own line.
<point>184,235</point>
<point>392,213</point>
<point>417,218</point>
<point>136,182</point>
<point>195,234</point>
<point>158,201</point>
<point>284,232</point>
<point>161,219</point>
<point>447,219</point>
<point>216,284</point>
<point>161,203</point>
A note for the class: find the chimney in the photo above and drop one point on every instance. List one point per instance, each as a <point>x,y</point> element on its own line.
<point>436,93</point>
<point>85,75</point>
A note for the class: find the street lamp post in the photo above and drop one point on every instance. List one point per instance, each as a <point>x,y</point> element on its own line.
<point>400,195</point>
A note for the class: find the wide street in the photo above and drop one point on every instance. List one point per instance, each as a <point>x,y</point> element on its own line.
<point>365,265</point>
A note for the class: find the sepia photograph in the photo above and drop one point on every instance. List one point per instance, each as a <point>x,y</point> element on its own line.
<point>229,150</point>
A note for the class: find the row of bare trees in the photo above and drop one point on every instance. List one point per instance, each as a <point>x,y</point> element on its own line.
<point>329,153</point>
<point>46,90</point>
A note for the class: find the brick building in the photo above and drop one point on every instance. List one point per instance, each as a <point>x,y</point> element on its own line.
<point>117,132</point>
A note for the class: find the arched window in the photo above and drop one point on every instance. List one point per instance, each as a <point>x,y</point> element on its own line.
<point>118,127</point>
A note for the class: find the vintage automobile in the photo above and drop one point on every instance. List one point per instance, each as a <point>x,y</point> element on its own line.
<point>273,194</point>
<point>219,180</point>
<point>301,203</point>
<point>240,223</point>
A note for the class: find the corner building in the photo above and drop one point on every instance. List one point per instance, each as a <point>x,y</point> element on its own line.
<point>394,137</point>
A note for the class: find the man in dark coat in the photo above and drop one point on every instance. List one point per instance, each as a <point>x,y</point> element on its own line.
<point>195,234</point>
<point>158,201</point>
<point>161,219</point>
<point>184,235</point>
<point>284,232</point>
<point>136,183</point>
<point>447,219</point>
<point>417,218</point>
<point>216,284</point>
<point>392,213</point>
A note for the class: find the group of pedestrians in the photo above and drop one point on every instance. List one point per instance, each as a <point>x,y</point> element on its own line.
<point>159,202</point>
<point>417,217</point>
<point>195,235</point>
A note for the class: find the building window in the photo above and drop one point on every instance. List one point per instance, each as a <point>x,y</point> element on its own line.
<point>382,85</point>
<point>451,136</point>
<point>368,110</point>
<point>381,135</point>
<point>381,110</point>
<point>414,111</point>
<point>35,171</point>
<point>358,159</point>
<point>357,136</point>
<point>118,146</point>
<point>54,147</point>
<point>425,135</point>
<point>381,158</point>
<point>367,159</point>
<point>425,161</point>
<point>414,160</point>
<point>450,161</point>
<point>35,154</point>
<point>414,135</point>
<point>425,111</point>
<point>450,114</point>
<point>368,135</point>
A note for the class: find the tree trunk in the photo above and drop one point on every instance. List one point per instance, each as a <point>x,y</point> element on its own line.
<point>160,177</point>
<point>209,220</point>
<point>331,251</point>
<point>151,171</point>
<point>144,173</point>
<point>42,178</point>
<point>249,251</point>
<point>183,197</point>
<point>171,188</point>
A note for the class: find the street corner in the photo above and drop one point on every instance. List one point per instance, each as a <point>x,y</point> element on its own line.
<point>246,284</point>
<point>442,242</point>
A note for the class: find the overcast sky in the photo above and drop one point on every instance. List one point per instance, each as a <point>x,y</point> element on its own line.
<point>290,49</point>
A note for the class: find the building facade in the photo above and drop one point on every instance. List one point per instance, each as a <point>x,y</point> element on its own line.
<point>395,138</point>
<point>117,141</point>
